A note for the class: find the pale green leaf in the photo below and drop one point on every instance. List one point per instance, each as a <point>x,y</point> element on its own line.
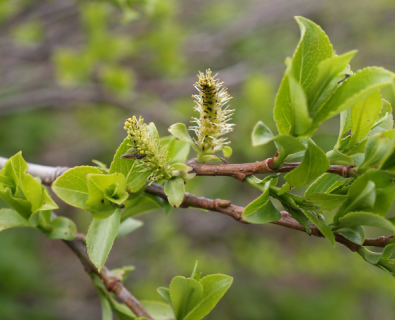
<point>214,287</point>
<point>72,186</point>
<point>175,191</point>
<point>261,210</point>
<point>62,228</point>
<point>365,219</point>
<point>313,165</point>
<point>354,234</point>
<point>325,183</point>
<point>179,130</point>
<point>185,294</point>
<point>128,226</point>
<point>9,218</point>
<point>358,86</point>
<point>135,178</point>
<point>101,236</point>
<point>330,72</point>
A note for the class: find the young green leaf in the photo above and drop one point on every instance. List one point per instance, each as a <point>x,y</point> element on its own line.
<point>261,210</point>
<point>72,186</point>
<point>179,130</point>
<point>135,176</point>
<point>214,287</point>
<point>365,219</point>
<point>227,151</point>
<point>363,116</point>
<point>319,222</point>
<point>175,191</point>
<point>143,204</point>
<point>128,226</point>
<point>361,196</point>
<point>313,48</point>
<point>101,236</point>
<point>326,201</point>
<point>378,149</point>
<point>178,150</point>
<point>354,234</point>
<point>9,218</point>
<point>185,294</point>
<point>313,165</point>
<point>369,256</point>
<point>158,310</point>
<point>325,183</point>
<point>62,228</point>
<point>261,134</point>
<point>106,194</point>
<point>358,86</point>
<point>330,72</point>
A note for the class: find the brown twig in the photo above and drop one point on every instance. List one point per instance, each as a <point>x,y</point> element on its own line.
<point>111,282</point>
<point>241,171</point>
<point>49,174</point>
<point>225,207</point>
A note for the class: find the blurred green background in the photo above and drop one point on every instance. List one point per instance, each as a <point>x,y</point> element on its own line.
<point>71,72</point>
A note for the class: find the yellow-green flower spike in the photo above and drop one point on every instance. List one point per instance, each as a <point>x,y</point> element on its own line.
<point>145,142</point>
<point>214,114</point>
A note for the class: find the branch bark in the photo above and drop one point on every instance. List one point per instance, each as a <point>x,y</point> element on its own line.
<point>241,171</point>
<point>49,174</point>
<point>111,282</point>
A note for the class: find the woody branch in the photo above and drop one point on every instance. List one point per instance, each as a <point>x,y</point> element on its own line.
<point>49,174</point>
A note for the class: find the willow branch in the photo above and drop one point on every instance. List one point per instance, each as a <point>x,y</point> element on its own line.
<point>49,174</point>
<point>241,171</point>
<point>111,282</point>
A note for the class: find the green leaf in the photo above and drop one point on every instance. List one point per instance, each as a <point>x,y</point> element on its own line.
<point>158,310</point>
<point>227,151</point>
<point>123,272</point>
<point>128,226</point>
<point>369,256</point>
<point>135,179</point>
<point>261,134</point>
<point>336,157</point>
<point>9,218</point>
<point>378,149</point>
<point>62,228</point>
<point>326,201</point>
<point>185,294</point>
<point>105,298</point>
<point>175,191</point>
<point>261,210</point>
<point>145,203</point>
<point>300,118</point>
<point>363,116</point>
<point>165,293</point>
<point>319,222</point>
<point>101,236</point>
<point>361,196</point>
<point>178,150</point>
<point>358,86</point>
<point>330,72</point>
<point>365,219</point>
<point>313,48</point>
<point>72,186</point>
<point>182,170</point>
<point>214,287</point>
<point>179,130</point>
<point>313,165</point>
<point>354,234</point>
<point>106,194</point>
<point>325,183</point>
